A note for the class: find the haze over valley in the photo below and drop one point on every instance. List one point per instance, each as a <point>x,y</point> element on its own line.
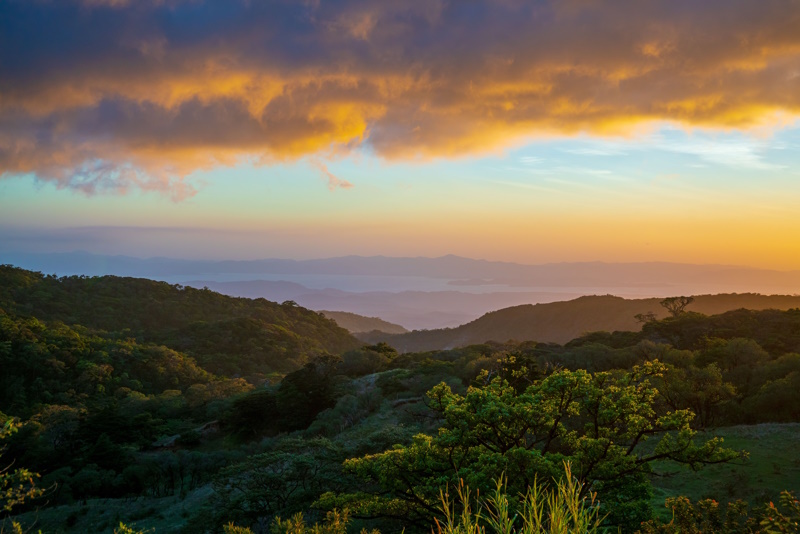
<point>422,293</point>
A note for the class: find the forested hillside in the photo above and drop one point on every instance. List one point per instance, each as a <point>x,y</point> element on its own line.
<point>154,424</point>
<point>559,322</point>
<point>225,335</point>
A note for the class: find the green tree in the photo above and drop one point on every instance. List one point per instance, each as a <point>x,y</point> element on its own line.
<point>517,368</point>
<point>306,392</point>
<point>676,305</point>
<point>644,318</point>
<point>599,423</point>
<point>700,389</point>
<point>18,485</point>
<point>383,348</point>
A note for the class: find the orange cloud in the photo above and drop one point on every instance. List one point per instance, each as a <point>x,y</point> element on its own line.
<point>112,95</point>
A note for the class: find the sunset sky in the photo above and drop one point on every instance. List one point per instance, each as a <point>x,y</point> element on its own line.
<point>520,130</point>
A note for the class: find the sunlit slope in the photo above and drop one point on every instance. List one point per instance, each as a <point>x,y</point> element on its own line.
<point>560,322</point>
<point>226,335</point>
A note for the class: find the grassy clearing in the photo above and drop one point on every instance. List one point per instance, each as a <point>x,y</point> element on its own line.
<point>773,466</point>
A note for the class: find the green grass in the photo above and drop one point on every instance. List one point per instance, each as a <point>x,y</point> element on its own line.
<point>773,466</point>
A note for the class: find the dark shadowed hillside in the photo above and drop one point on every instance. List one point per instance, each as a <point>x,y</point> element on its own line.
<point>355,323</point>
<point>560,322</point>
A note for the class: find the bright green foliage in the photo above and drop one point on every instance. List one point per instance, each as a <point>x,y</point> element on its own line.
<point>18,485</point>
<point>563,510</point>
<point>125,529</point>
<point>335,523</point>
<point>598,423</point>
<point>783,521</point>
<point>515,367</point>
<point>704,517</point>
<point>709,517</point>
<point>62,365</point>
<point>14,528</point>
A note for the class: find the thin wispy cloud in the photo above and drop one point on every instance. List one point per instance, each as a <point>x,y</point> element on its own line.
<point>743,151</point>
<point>595,151</point>
<point>334,182</point>
<point>740,154</point>
<point>583,170</point>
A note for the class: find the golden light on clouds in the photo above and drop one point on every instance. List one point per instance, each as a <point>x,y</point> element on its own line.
<point>113,94</point>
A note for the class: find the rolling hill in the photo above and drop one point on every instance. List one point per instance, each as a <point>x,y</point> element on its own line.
<point>559,322</point>
<point>225,335</point>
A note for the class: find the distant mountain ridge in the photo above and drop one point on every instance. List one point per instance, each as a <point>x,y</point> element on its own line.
<point>411,309</point>
<point>422,293</point>
<point>560,322</point>
<point>462,271</point>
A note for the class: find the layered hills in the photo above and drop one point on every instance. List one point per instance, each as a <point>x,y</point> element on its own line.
<point>559,322</point>
<point>421,293</point>
<point>168,407</point>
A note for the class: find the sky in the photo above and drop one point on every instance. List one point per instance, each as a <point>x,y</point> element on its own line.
<point>528,131</point>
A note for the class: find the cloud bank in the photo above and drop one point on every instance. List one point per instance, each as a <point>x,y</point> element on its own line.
<point>109,95</point>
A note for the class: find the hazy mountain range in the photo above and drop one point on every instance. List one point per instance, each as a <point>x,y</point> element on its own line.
<point>421,293</point>
<point>411,309</point>
<point>560,322</point>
